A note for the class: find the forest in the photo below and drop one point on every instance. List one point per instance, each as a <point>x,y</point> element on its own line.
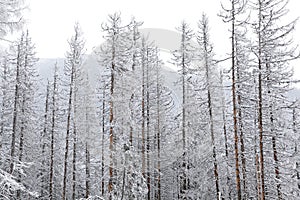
<point>223,129</point>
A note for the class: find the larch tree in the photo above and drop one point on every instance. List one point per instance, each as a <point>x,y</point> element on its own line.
<point>114,56</point>
<point>183,58</point>
<point>24,107</point>
<point>206,53</point>
<point>232,15</point>
<point>54,99</point>
<point>72,66</point>
<point>273,49</point>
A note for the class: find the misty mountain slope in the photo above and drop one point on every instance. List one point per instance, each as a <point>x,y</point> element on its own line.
<point>45,68</point>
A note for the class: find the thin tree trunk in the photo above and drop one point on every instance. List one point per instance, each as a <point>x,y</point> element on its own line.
<point>123,183</point>
<point>131,117</point>
<point>111,130</point>
<point>183,181</point>
<point>148,128</point>
<point>158,134</point>
<point>103,133</point>
<point>68,134</point>
<point>74,139</point>
<point>260,128</point>
<point>15,113</point>
<point>257,160</point>
<point>134,62</point>
<point>234,103</point>
<point>21,142</point>
<point>275,157</point>
<point>225,137</point>
<point>143,113</point>
<point>87,171</point>
<point>52,134</point>
<point>257,175</point>
<point>44,137</point>
<point>74,156</point>
<point>277,172</point>
<point>87,153</point>
<point>241,130</point>
<point>210,109</point>
<point>260,106</point>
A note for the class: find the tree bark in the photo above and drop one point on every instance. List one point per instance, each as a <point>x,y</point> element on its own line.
<point>44,138</point>
<point>209,104</point>
<point>148,127</point>
<point>74,156</point>
<point>52,134</point>
<point>234,104</point>
<point>260,104</point>
<point>87,171</point>
<point>68,133</point>
<point>102,141</point>
<point>15,113</point>
<point>158,134</point>
<point>111,123</point>
<point>241,129</point>
<point>21,143</point>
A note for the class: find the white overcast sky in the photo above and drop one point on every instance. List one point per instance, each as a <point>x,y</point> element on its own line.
<point>51,22</point>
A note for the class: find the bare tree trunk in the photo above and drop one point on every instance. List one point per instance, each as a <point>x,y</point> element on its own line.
<point>225,137</point>
<point>158,134</point>
<point>87,171</point>
<point>275,157</point>
<point>148,128</point>
<point>209,103</point>
<point>131,117</point>
<point>74,155</point>
<point>21,142</point>
<point>260,105</point>
<point>52,134</point>
<point>44,138</point>
<point>234,103</point>
<point>15,113</point>
<point>74,139</point>
<point>260,128</point>
<point>257,175</point>
<point>73,63</point>
<point>134,63</point>
<point>87,153</point>
<point>68,134</point>
<point>277,172</point>
<point>103,133</point>
<point>143,111</point>
<point>241,130</point>
<point>183,181</point>
<point>111,131</point>
<point>123,182</point>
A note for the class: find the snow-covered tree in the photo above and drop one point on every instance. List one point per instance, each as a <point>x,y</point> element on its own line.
<point>183,59</point>
<point>73,64</point>
<point>11,16</point>
<point>273,49</point>
<point>23,104</point>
